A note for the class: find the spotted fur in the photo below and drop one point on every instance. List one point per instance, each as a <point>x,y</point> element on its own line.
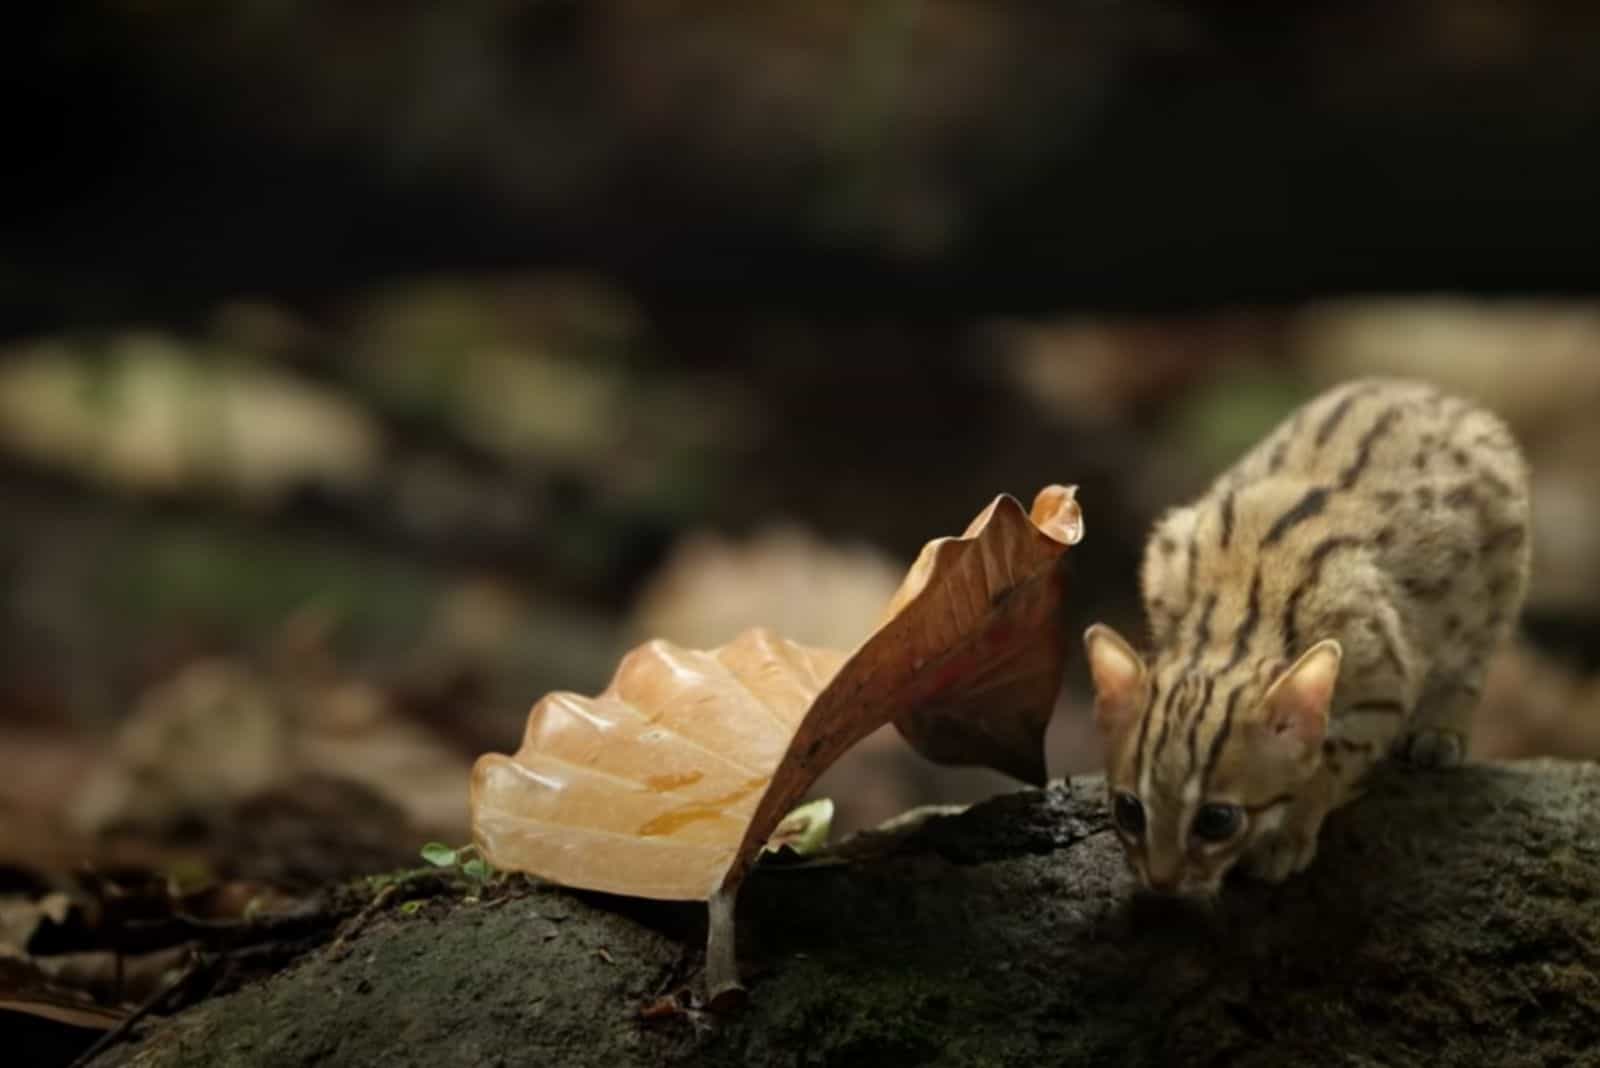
<point>1331,599</point>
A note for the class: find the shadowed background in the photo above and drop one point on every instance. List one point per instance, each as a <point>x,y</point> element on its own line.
<point>369,370</point>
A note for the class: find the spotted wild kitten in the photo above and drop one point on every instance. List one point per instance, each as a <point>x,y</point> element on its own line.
<point>1332,599</point>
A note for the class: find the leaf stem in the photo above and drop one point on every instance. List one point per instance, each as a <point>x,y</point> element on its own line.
<point>722,959</point>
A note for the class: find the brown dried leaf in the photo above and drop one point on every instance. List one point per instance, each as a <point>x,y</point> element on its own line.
<point>25,988</point>
<point>667,784</point>
<point>959,641</point>
<point>995,611</point>
<point>20,917</point>
<point>112,978</point>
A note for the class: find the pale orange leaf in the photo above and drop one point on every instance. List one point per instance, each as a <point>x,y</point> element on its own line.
<point>667,784</point>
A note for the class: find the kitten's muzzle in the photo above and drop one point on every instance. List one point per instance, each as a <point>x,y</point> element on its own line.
<point>1167,885</point>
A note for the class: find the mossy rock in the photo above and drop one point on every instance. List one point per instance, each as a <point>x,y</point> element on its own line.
<point>1449,920</point>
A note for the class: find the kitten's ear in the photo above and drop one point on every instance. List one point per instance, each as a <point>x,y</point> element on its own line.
<point>1118,678</point>
<point>1298,703</point>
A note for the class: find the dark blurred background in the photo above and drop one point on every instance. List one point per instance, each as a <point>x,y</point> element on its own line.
<point>369,369</point>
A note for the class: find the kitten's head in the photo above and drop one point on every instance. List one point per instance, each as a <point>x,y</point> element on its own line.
<point>1201,764</point>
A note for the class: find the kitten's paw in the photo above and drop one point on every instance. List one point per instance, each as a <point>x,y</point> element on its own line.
<point>1431,747</point>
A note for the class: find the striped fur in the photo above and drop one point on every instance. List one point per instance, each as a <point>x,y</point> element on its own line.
<point>1384,515</point>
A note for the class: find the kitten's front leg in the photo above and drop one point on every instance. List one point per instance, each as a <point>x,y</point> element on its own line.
<point>1440,730</point>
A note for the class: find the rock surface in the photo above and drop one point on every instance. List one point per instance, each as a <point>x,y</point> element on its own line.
<point>1449,920</point>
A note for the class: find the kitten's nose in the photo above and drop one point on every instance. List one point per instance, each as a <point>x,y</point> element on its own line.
<point>1164,884</point>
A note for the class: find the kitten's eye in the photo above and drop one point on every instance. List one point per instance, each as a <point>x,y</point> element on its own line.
<point>1129,813</point>
<point>1217,823</point>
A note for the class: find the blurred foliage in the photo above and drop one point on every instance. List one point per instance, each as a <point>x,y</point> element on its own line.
<point>1222,418</point>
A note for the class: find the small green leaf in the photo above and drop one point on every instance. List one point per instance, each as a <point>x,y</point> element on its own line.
<point>411,908</point>
<point>439,855</point>
<point>805,830</point>
<point>476,869</point>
